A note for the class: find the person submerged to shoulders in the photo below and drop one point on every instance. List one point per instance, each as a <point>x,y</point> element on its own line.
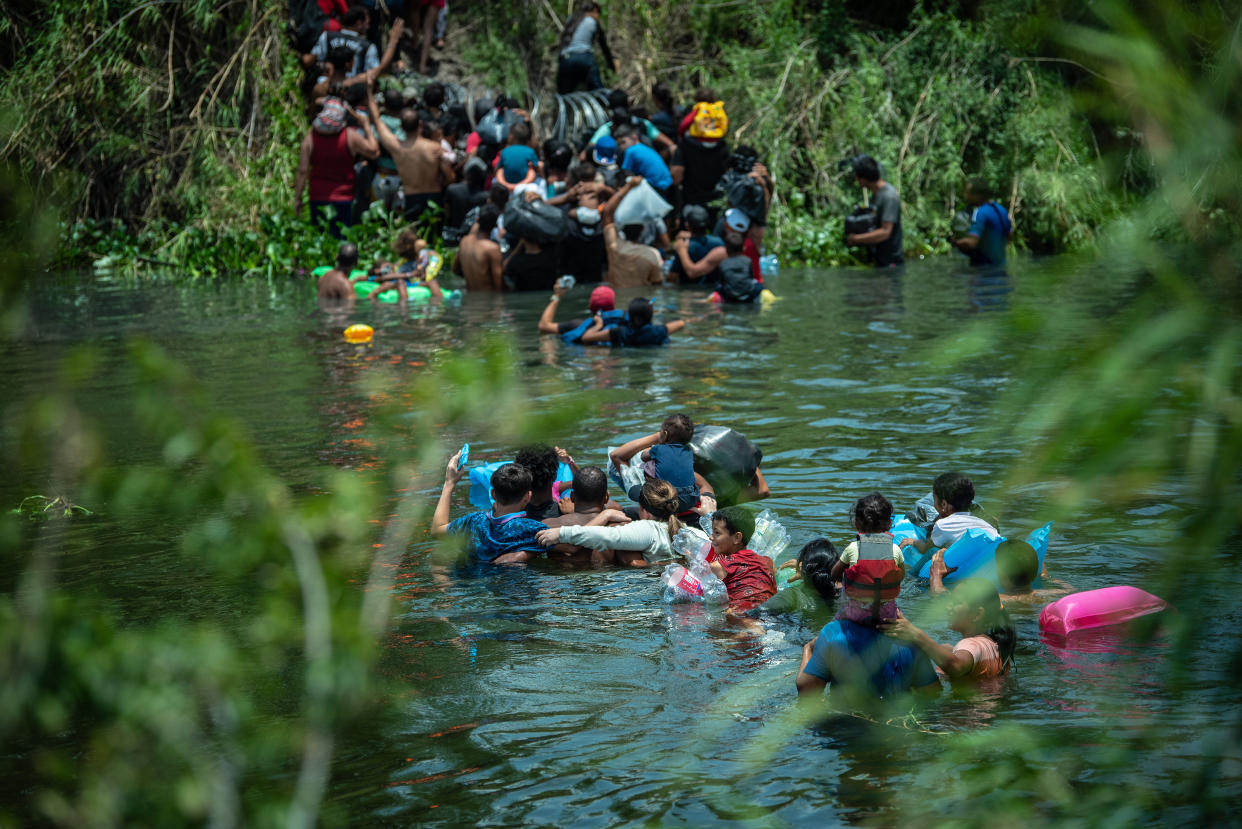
<point>737,284</point>
<point>636,330</point>
<point>953,495</point>
<point>501,535</point>
<point>811,592</point>
<point>863,666</point>
<point>601,303</point>
<point>749,577</point>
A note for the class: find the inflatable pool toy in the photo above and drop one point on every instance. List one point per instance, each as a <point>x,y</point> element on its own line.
<point>417,294</point>
<point>974,554</point>
<point>1098,608</point>
<point>726,458</point>
<point>359,333</point>
<point>481,481</point>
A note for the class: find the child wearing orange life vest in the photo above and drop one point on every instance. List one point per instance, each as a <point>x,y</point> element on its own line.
<point>871,567</point>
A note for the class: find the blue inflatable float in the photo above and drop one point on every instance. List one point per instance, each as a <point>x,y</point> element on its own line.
<point>481,481</point>
<point>974,554</point>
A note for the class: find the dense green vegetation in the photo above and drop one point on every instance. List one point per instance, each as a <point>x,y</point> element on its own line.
<point>168,132</point>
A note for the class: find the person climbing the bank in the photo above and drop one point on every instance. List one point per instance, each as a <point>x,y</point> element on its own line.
<point>326,164</point>
<point>749,577</point>
<point>990,227</point>
<point>335,288</point>
<point>634,543</point>
<point>367,65</point>
<point>666,456</point>
<point>478,259</point>
<point>667,115</point>
<point>603,302</point>
<point>576,66</point>
<point>422,16</point>
<point>421,162</point>
<point>872,566</point>
<point>988,635</point>
<point>885,241</point>
<point>953,495</point>
<point>501,535</point>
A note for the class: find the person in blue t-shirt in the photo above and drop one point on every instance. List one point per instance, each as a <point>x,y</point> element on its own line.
<point>667,457</point>
<point>990,226</point>
<point>642,160</point>
<point>501,535</point>
<point>518,161</point>
<point>862,665</point>
<point>636,329</point>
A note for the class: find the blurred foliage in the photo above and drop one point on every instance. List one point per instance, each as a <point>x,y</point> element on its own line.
<point>225,710</point>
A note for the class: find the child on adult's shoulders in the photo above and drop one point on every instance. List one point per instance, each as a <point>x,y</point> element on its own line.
<point>954,494</point>
<point>666,456</point>
<point>501,535</point>
<point>749,577</point>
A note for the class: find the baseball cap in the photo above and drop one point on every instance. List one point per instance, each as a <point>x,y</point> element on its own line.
<point>735,219</point>
<point>603,298</point>
<point>695,215</point>
<point>605,150</point>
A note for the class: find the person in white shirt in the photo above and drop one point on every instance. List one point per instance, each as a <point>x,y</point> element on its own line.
<point>953,493</point>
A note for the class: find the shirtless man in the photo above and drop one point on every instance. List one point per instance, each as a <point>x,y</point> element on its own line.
<point>589,499</point>
<point>420,161</point>
<point>478,257</point>
<point>335,289</point>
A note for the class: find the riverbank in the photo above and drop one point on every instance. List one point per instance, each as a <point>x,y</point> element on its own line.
<point>199,172</point>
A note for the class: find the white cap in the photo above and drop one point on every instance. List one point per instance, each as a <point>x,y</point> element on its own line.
<point>735,219</point>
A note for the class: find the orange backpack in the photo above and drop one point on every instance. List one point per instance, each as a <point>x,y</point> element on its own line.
<point>710,121</point>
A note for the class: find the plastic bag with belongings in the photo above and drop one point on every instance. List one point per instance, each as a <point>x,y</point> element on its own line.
<point>641,205</point>
<point>536,221</point>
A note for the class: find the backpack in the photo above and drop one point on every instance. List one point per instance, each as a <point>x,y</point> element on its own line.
<point>306,21</point>
<point>744,193</point>
<point>710,121</point>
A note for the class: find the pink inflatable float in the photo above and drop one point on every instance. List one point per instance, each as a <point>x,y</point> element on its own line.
<point>1098,608</point>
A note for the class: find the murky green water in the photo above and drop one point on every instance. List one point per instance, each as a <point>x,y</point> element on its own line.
<point>539,696</point>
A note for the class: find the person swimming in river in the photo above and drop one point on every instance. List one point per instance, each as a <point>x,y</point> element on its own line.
<point>988,636</point>
<point>749,577</point>
<point>953,493</point>
<point>603,303</point>
<point>872,566</point>
<point>335,285</point>
<point>637,330</point>
<point>667,457</point>
<point>501,535</point>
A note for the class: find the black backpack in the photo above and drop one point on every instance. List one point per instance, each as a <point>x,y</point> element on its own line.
<point>306,21</point>
<point>861,220</point>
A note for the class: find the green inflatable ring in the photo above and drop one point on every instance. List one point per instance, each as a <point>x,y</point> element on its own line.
<point>417,294</point>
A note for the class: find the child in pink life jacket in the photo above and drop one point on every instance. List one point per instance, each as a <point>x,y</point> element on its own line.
<point>871,567</point>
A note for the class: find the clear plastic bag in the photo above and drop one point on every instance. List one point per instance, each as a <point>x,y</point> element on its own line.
<point>628,476</point>
<point>694,584</point>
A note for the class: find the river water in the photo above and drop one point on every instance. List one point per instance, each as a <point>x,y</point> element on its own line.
<point>543,696</point>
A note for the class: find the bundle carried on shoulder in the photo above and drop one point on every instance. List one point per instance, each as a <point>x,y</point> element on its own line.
<point>694,582</point>
<point>710,123</point>
<point>536,221</point>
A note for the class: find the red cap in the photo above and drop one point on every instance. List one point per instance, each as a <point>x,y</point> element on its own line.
<point>603,298</point>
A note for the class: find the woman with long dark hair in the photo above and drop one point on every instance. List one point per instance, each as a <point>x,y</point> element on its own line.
<point>988,636</point>
<point>576,64</point>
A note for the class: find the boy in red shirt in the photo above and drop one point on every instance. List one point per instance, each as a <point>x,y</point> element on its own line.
<point>749,577</point>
